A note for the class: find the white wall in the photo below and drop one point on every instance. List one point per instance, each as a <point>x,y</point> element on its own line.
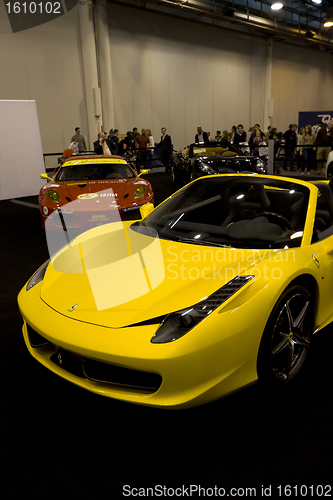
<point>181,74</point>
<point>302,81</point>
<point>44,64</point>
<point>177,74</point>
<point>165,72</point>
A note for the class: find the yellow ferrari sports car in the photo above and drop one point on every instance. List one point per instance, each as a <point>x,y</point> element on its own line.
<point>223,283</point>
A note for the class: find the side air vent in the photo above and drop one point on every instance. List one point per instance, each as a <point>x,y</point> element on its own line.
<point>35,339</point>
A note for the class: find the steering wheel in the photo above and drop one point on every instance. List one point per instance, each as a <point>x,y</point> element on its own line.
<point>278,219</point>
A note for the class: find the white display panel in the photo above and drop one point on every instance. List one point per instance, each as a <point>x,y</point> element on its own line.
<point>21,152</point>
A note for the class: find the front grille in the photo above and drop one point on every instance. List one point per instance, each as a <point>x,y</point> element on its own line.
<point>131,215</point>
<point>106,373</point>
<point>69,362</point>
<point>35,339</point>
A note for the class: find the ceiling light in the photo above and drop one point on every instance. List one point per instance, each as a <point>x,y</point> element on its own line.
<point>328,23</point>
<point>276,6</point>
<point>317,1</point>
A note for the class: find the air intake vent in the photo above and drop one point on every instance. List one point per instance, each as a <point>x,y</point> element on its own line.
<point>35,339</point>
<point>106,373</point>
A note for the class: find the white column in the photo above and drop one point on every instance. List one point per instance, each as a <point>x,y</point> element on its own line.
<point>104,63</point>
<point>268,101</point>
<point>270,160</point>
<point>90,71</point>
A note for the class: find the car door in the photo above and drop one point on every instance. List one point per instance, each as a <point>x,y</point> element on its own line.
<point>322,250</point>
<point>322,255</point>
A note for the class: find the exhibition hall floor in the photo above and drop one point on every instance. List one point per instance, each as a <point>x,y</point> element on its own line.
<point>61,442</point>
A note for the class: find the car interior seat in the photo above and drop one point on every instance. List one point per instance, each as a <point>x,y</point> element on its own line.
<point>247,202</point>
<point>94,176</point>
<point>114,175</point>
<point>324,211</point>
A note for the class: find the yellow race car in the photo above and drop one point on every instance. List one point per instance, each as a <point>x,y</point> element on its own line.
<point>224,282</point>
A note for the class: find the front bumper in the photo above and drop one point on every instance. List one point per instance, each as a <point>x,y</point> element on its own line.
<point>213,360</point>
<point>87,219</point>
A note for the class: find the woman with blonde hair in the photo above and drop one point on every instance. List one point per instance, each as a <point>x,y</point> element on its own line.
<point>306,152</point>
<point>151,144</point>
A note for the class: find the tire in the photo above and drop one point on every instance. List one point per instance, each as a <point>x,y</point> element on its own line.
<point>173,174</point>
<point>329,171</point>
<point>286,338</point>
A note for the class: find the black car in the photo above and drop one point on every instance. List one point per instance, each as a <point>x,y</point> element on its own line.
<point>207,158</point>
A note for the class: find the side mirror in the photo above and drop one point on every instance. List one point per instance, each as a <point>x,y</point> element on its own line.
<point>146,209</point>
<point>144,171</point>
<point>46,177</point>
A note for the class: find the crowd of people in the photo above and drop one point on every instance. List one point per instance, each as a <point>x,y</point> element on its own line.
<point>304,150</point>
<point>142,145</point>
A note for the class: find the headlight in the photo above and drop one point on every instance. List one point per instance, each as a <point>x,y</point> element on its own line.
<point>206,169</point>
<point>140,191</point>
<point>261,167</point>
<point>177,324</point>
<point>38,276</point>
<point>53,196</point>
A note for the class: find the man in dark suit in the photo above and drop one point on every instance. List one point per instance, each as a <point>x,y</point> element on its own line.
<point>166,146</point>
<point>201,136</point>
<point>290,138</point>
<point>104,146</point>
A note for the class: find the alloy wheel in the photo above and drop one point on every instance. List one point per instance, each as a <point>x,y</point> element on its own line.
<point>290,337</point>
<point>286,339</point>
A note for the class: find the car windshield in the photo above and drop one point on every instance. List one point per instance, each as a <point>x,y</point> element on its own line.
<point>238,211</point>
<point>92,171</point>
<point>212,148</point>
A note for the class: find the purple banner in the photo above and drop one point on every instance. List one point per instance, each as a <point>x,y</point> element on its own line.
<point>313,117</point>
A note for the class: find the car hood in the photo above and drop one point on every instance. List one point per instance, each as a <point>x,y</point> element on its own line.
<point>220,161</point>
<point>227,157</point>
<point>115,277</point>
<point>97,190</point>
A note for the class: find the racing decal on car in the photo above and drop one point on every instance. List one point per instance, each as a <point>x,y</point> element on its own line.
<point>84,183</point>
<point>99,218</point>
<point>91,161</point>
<point>45,210</point>
<point>80,183</point>
<point>87,196</point>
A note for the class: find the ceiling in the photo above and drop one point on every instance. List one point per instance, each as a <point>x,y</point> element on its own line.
<point>299,22</point>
